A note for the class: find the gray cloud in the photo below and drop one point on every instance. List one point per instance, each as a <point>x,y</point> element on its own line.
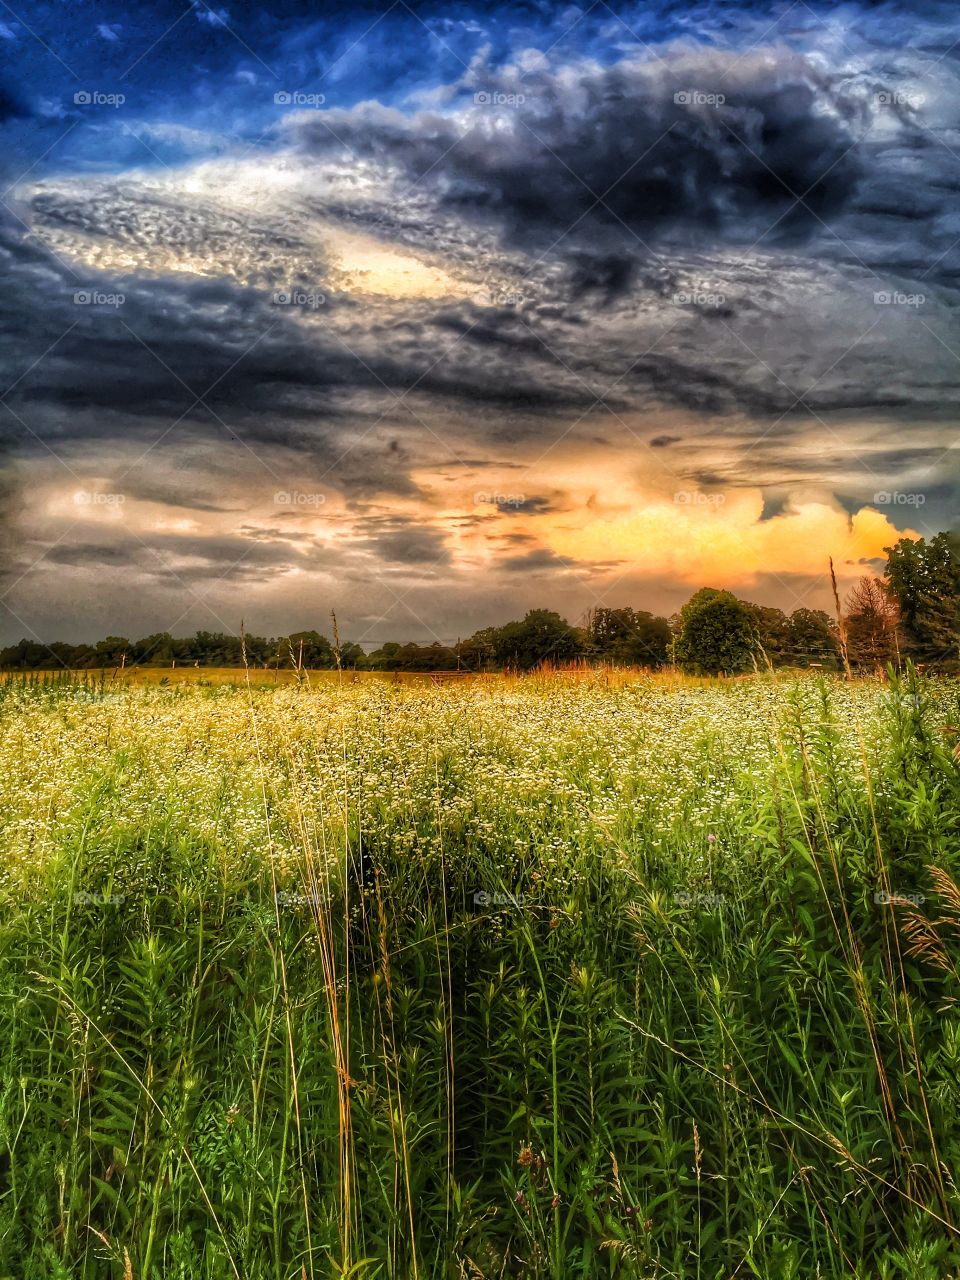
<point>534,506</point>
<point>542,558</point>
<point>572,149</point>
<point>402,541</point>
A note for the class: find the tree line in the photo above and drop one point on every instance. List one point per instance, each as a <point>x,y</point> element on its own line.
<point>913,611</point>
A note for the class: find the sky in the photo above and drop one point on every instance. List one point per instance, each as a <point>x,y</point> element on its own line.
<point>431,314</point>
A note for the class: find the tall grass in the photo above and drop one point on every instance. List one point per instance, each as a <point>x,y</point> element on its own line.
<point>546,978</point>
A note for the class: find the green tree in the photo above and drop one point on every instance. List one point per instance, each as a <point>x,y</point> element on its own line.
<point>386,658</point>
<point>772,632</point>
<point>412,657</point>
<point>812,638</point>
<point>629,636</point>
<point>25,655</point>
<point>111,651</point>
<point>479,651</point>
<point>924,577</point>
<point>351,654</point>
<point>155,651</point>
<point>872,621</point>
<point>33,655</point>
<point>306,648</point>
<point>716,634</point>
<point>541,636</point>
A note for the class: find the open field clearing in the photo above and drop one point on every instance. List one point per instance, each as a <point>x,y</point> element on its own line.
<point>522,978</point>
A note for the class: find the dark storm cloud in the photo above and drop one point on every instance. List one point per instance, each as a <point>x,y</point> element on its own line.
<point>11,105</point>
<point>203,350</point>
<point>541,560</point>
<point>297,386</point>
<point>10,507</point>
<point>93,555</point>
<point>607,275</point>
<point>170,494</point>
<point>533,561</point>
<point>774,504</point>
<point>402,541</point>
<point>315,387</point>
<point>172,558</point>
<point>153,354</point>
<point>631,150</point>
<point>523,506</point>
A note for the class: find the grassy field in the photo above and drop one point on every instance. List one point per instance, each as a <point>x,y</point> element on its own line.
<point>526,978</point>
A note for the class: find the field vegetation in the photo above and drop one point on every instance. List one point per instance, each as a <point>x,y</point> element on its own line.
<point>548,977</point>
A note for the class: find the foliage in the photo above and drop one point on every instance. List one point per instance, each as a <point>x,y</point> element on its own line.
<point>924,578</point>
<point>872,624</point>
<point>628,637</point>
<point>773,634</point>
<point>716,634</point>
<point>540,636</point>
<point>813,638</point>
<point>205,649</point>
<point>411,657</point>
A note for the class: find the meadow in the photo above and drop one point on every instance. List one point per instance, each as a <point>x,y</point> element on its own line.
<point>549,977</point>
